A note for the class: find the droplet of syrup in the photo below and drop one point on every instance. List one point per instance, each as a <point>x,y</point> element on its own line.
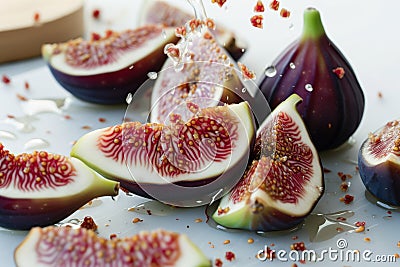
<point>36,143</point>
<point>309,87</point>
<point>270,71</point>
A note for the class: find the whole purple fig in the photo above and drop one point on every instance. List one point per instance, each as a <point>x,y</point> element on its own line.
<point>314,68</point>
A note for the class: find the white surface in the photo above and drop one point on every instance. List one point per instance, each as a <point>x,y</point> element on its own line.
<point>367,33</point>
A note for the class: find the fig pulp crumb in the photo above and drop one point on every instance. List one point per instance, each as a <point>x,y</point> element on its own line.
<point>219,2</point>
<point>339,71</point>
<point>344,187</point>
<point>89,223</point>
<point>246,73</point>
<point>218,262</point>
<point>347,199</point>
<point>257,21</point>
<point>96,14</point>
<point>285,13</point>
<point>5,79</point>
<point>344,176</point>
<point>230,256</point>
<point>274,5</point>
<point>259,7</point>
<point>26,85</point>
<point>112,236</point>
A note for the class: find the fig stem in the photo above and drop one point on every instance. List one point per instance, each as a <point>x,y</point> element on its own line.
<point>312,27</point>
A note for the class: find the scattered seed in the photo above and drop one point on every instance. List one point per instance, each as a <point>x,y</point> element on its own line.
<point>136,220</point>
<point>86,127</point>
<point>397,255</point>
<point>95,36</point>
<point>230,256</point>
<point>26,85</point>
<point>22,98</point>
<point>326,170</point>
<point>5,79</point>
<point>295,237</point>
<point>67,117</point>
<point>367,239</point>
<point>198,220</point>
<point>250,240</point>
<point>246,72</point>
<point>112,236</point>
<point>227,242</point>
<point>10,116</point>
<point>102,120</point>
<point>341,219</point>
<point>398,244</point>
<point>360,229</point>
<point>344,187</point>
<point>299,246</point>
<point>380,95</point>
<point>219,2</point>
<point>36,17</point>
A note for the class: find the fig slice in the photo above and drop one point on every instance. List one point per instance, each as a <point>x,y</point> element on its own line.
<point>379,163</point>
<point>106,68</point>
<point>162,12</point>
<point>283,183</point>
<point>208,79</point>
<point>41,188</point>
<point>178,162</point>
<point>66,246</point>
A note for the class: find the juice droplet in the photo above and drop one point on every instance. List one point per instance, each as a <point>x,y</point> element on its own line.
<point>270,71</point>
<point>309,87</point>
<point>129,98</point>
<point>292,65</point>
<point>153,207</point>
<point>36,143</point>
<point>152,75</point>
<point>7,135</point>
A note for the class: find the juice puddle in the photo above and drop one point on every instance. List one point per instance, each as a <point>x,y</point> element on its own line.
<point>153,207</point>
<point>320,227</point>
<point>379,203</point>
<point>7,135</point>
<point>36,143</point>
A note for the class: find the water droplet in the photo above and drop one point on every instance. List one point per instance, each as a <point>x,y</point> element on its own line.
<point>244,90</point>
<point>270,71</point>
<point>152,75</point>
<point>7,135</point>
<point>129,98</point>
<point>131,67</point>
<point>164,34</point>
<point>292,65</point>
<point>309,87</point>
<point>36,143</point>
<point>227,62</point>
<point>291,26</point>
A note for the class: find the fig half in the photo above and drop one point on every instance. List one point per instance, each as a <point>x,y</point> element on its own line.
<point>65,246</point>
<point>283,183</point>
<point>105,69</point>
<point>175,163</point>
<point>208,79</point>
<point>314,68</point>
<point>162,12</point>
<point>41,188</point>
<point>379,163</point>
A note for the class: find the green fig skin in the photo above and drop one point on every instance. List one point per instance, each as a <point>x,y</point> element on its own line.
<point>312,67</point>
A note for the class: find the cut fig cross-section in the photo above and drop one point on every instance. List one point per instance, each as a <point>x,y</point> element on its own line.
<point>65,246</point>
<point>41,188</point>
<point>185,163</point>
<point>284,181</point>
<point>106,68</point>
<point>379,163</point>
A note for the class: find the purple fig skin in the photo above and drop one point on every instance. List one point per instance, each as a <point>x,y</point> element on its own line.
<point>382,180</point>
<point>333,110</point>
<point>113,87</point>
